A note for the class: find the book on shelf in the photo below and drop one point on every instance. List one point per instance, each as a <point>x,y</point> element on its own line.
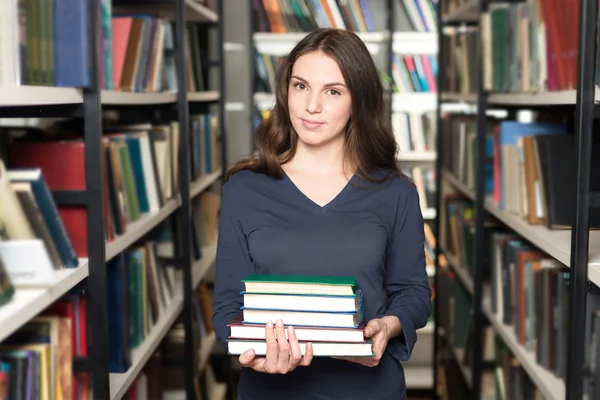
<point>285,16</point>
<point>334,329</point>
<point>47,45</point>
<point>528,166</point>
<point>37,359</point>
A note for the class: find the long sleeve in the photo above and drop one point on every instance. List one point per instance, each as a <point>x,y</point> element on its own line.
<point>233,263</point>
<point>406,284</point>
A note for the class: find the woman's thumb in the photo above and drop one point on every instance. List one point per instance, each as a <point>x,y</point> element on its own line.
<point>247,356</point>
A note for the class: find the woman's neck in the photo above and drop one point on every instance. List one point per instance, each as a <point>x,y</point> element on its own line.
<point>322,160</point>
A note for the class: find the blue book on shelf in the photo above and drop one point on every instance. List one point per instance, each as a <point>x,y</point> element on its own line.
<point>71,47</point>
<point>47,206</point>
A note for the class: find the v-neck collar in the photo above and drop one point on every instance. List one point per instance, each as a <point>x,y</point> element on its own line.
<point>314,204</point>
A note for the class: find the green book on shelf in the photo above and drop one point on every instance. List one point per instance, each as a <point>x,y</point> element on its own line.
<point>300,284</point>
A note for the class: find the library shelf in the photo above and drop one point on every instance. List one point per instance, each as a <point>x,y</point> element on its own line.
<point>283,43</point>
<point>208,342</point>
<point>461,97</point>
<point>415,43</point>
<point>430,270</point>
<point>194,12</point>
<point>111,97</point>
<point>139,228</point>
<point>417,156</point>
<point>204,96</point>
<point>418,377</point>
<point>26,303</point>
<point>200,184</point>
<point>459,356</point>
<point>201,267</point>
<point>458,184</point>
<point>466,12</point>
<point>25,95</point>
<point>367,37</point>
<point>552,387</point>
<point>429,213</point>
<point>119,383</point>
<point>538,98</point>
<point>556,243</point>
<point>460,271</point>
<point>414,102</point>
<point>264,101</point>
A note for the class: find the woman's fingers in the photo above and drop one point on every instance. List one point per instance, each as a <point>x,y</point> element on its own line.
<point>272,349</point>
<point>284,347</point>
<point>308,355</point>
<point>296,355</point>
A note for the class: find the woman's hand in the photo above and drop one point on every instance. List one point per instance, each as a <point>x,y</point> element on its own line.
<point>283,355</point>
<point>380,330</point>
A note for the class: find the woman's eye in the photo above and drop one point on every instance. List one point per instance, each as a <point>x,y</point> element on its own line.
<point>300,86</point>
<point>333,92</point>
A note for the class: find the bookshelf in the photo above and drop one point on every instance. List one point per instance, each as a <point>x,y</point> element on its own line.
<point>174,108</point>
<point>477,192</point>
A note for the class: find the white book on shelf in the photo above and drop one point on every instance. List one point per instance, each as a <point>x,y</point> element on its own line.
<point>27,263</point>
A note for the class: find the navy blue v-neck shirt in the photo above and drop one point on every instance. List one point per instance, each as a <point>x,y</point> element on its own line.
<point>373,231</point>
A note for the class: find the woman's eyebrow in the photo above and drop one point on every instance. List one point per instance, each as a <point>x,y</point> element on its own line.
<point>326,85</point>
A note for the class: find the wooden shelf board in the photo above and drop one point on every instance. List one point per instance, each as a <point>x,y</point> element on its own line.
<point>417,156</point>
<point>458,184</point>
<point>200,268</point>
<point>205,96</point>
<point>119,383</point>
<point>264,101</point>
<point>415,43</point>
<point>26,303</point>
<point>203,182</point>
<point>541,98</point>
<point>368,37</point>
<point>557,243</point>
<point>139,228</point>
<point>416,102</point>
<point>418,377</point>
<point>110,97</point>
<point>14,96</point>
<point>459,270</point>
<point>283,43</point>
<point>464,97</point>
<point>549,385</point>
<point>429,213</point>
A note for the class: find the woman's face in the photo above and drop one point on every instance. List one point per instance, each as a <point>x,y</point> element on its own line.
<point>319,101</point>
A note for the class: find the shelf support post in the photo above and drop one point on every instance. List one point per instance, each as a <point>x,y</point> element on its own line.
<point>439,164</point>
<point>584,114</point>
<point>96,282</point>
<point>478,318</point>
<point>184,244</point>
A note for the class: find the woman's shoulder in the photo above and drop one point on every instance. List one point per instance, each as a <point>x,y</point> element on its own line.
<point>392,182</point>
<point>246,180</point>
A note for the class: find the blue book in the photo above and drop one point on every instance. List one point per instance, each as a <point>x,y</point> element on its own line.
<point>47,206</point>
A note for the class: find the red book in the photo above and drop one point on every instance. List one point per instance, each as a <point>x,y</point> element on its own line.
<point>241,330</point>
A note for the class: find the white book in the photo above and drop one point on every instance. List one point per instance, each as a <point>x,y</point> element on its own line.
<point>320,349</point>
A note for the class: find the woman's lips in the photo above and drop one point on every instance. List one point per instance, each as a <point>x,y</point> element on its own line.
<point>311,124</point>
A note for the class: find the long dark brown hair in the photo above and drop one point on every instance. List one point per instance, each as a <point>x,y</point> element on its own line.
<point>369,138</point>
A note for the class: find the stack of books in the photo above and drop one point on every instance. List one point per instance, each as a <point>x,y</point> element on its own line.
<point>326,311</point>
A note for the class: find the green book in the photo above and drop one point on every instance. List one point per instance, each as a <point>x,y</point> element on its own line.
<point>300,284</point>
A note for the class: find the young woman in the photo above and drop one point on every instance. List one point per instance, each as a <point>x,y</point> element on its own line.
<point>324,196</point>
